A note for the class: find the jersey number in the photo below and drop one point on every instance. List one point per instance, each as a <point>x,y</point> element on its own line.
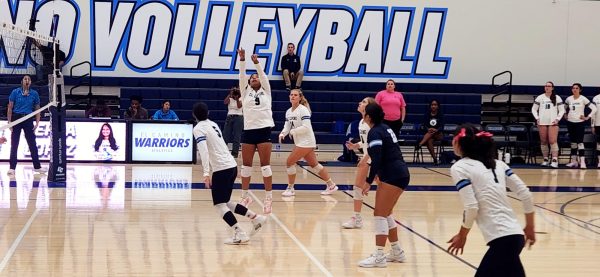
<point>394,139</point>
<point>217,131</point>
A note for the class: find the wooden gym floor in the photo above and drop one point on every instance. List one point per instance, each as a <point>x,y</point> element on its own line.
<point>157,220</point>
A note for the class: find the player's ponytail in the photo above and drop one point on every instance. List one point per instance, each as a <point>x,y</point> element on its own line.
<point>303,100</point>
<point>476,144</point>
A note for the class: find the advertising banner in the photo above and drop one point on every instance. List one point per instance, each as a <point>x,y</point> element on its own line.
<point>162,142</point>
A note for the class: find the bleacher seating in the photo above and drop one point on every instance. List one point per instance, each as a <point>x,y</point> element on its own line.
<point>327,106</point>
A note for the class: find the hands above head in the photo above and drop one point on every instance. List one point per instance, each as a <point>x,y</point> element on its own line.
<point>242,54</point>
<point>254,58</point>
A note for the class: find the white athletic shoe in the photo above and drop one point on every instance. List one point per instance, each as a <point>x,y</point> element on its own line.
<point>396,256</point>
<point>246,201</point>
<point>582,163</point>
<point>375,260</point>
<point>239,237</point>
<point>10,172</point>
<point>329,190</point>
<point>545,163</point>
<point>554,164</point>
<point>289,192</point>
<point>353,223</point>
<point>257,224</point>
<point>573,164</point>
<point>40,170</point>
<point>268,203</point>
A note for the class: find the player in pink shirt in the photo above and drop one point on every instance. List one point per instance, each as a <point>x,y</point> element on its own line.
<point>393,106</point>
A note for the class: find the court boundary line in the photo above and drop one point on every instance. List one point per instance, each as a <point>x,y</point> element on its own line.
<point>568,217</point>
<point>407,228</point>
<point>11,251</point>
<point>421,236</point>
<point>295,239</point>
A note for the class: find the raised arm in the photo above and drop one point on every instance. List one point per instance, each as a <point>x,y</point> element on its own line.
<point>264,81</point>
<point>243,82</point>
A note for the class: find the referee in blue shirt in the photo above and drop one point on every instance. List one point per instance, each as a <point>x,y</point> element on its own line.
<point>21,102</point>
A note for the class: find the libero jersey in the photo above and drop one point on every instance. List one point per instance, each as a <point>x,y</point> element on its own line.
<point>298,125</point>
<point>546,112</point>
<point>212,148</point>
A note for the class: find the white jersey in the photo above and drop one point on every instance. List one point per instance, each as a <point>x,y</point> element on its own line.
<point>232,108</point>
<point>546,112</point>
<point>596,117</point>
<point>576,108</point>
<point>484,192</point>
<point>256,105</point>
<point>212,147</point>
<point>297,124</point>
<point>363,132</point>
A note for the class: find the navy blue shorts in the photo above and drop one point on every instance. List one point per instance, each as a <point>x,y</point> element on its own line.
<point>222,185</point>
<point>256,136</point>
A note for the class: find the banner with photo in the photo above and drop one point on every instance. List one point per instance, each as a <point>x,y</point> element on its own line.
<point>86,141</point>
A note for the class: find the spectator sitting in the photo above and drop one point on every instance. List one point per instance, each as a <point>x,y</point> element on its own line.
<point>165,113</point>
<point>100,110</point>
<point>290,64</point>
<point>352,135</point>
<point>433,125</point>
<point>136,111</point>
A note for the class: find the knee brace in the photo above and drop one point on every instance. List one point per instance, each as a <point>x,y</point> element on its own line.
<point>266,171</point>
<point>573,149</point>
<point>291,170</point>
<point>391,222</point>
<point>222,209</point>
<point>545,149</point>
<point>246,171</point>
<point>226,214</point>
<point>357,193</point>
<point>554,147</point>
<point>317,168</point>
<point>381,226</point>
<point>581,149</point>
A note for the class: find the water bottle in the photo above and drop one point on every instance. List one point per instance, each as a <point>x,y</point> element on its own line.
<point>278,147</point>
<point>499,155</point>
<point>507,158</point>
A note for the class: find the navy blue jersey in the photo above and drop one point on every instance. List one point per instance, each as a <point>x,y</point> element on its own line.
<point>386,157</point>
